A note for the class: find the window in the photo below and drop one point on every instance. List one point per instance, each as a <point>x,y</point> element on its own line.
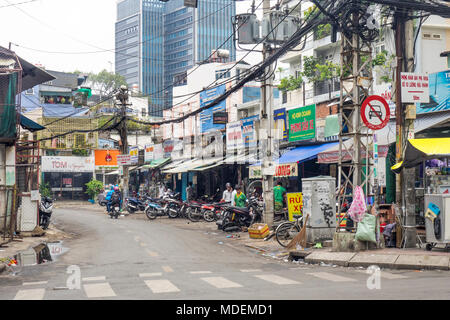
<point>221,74</point>
<point>29,91</point>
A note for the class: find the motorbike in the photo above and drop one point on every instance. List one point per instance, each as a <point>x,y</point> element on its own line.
<point>134,204</point>
<point>45,212</point>
<point>235,218</point>
<point>168,205</point>
<point>115,210</point>
<point>194,207</point>
<point>101,200</point>
<point>214,211</point>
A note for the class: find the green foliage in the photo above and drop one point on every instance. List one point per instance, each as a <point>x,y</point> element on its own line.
<point>309,68</point>
<point>80,152</point>
<point>94,187</point>
<point>322,30</point>
<point>106,82</point>
<point>383,62</point>
<point>290,83</point>
<point>44,189</point>
<point>314,70</point>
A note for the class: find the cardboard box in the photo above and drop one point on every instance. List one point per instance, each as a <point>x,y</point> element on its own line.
<point>258,231</point>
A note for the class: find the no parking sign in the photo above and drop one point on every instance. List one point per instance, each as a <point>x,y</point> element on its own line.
<point>375,112</point>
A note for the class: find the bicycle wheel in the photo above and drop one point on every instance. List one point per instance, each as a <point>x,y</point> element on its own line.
<point>286,232</point>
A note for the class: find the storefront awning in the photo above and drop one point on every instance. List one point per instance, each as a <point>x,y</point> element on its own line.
<point>172,165</point>
<point>419,150</point>
<point>112,173</point>
<point>305,153</point>
<point>29,124</point>
<point>155,164</point>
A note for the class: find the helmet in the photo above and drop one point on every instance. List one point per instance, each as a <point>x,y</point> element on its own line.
<point>116,188</point>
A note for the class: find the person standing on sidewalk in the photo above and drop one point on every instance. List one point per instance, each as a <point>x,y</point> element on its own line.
<point>189,192</point>
<point>239,198</point>
<point>278,196</point>
<point>228,193</point>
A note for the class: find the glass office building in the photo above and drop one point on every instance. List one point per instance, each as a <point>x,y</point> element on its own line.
<point>157,42</point>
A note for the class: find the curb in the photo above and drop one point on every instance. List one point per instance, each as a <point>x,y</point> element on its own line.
<point>2,268</point>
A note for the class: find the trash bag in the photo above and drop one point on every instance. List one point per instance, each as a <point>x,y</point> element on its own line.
<point>358,207</point>
<point>366,229</point>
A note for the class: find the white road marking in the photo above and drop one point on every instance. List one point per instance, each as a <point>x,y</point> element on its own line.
<point>101,278</point>
<point>251,270</point>
<point>30,294</point>
<point>276,279</point>
<point>200,272</point>
<point>221,283</point>
<point>161,286</point>
<point>330,277</point>
<point>152,253</point>
<point>167,269</point>
<point>34,283</point>
<point>99,290</point>
<point>154,274</point>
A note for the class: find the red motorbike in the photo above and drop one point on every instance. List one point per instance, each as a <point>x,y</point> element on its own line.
<point>214,211</point>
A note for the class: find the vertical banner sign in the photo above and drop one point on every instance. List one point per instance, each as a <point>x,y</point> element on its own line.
<point>234,136</point>
<point>207,116</point>
<point>302,123</point>
<point>280,120</point>
<point>134,153</point>
<point>248,131</point>
<point>148,153</point>
<point>295,204</point>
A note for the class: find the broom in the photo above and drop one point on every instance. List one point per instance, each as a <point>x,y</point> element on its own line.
<point>300,238</point>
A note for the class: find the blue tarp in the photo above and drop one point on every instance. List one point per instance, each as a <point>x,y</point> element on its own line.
<point>305,153</point>
<point>29,124</point>
<point>63,110</point>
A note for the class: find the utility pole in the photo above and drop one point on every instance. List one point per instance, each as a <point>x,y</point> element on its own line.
<point>122,96</point>
<point>405,192</point>
<point>267,125</point>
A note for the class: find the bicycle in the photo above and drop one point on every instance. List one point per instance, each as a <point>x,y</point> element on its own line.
<point>286,231</point>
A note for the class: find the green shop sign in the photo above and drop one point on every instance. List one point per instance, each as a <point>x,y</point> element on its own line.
<point>302,123</point>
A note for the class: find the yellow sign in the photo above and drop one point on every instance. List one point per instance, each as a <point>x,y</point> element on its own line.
<point>295,204</point>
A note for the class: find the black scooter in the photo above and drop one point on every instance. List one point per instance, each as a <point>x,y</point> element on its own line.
<point>234,218</point>
<point>45,212</point>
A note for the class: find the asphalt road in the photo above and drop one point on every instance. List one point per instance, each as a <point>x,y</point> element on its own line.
<point>132,258</point>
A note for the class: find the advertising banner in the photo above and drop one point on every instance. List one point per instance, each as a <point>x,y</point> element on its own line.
<point>134,153</point>
<point>280,120</point>
<point>148,153</point>
<point>302,123</point>
<point>439,93</point>
<point>248,131</point>
<point>105,144</point>
<point>124,160</point>
<point>68,164</point>
<point>106,159</point>
<point>295,204</point>
<point>281,170</point>
<point>234,136</point>
<point>207,116</point>
<point>158,151</point>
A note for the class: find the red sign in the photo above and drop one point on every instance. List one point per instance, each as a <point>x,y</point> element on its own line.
<point>375,112</point>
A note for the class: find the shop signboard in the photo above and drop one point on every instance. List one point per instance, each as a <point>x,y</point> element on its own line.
<point>248,131</point>
<point>439,93</point>
<point>148,153</point>
<point>167,148</point>
<point>68,164</point>
<point>124,160</point>
<point>280,121</point>
<point>105,144</point>
<point>106,159</point>
<point>281,170</point>
<point>158,151</point>
<point>134,154</point>
<point>295,204</point>
<point>207,116</point>
<point>415,87</point>
<point>302,123</point>
<point>234,136</point>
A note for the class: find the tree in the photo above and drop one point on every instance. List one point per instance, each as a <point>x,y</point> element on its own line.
<point>105,82</point>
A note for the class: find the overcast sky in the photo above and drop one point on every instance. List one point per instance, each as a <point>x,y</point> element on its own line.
<point>72,26</point>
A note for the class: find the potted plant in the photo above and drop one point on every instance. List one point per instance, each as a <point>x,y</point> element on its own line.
<point>94,187</point>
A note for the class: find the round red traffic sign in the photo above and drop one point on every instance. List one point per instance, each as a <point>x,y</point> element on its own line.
<point>375,112</point>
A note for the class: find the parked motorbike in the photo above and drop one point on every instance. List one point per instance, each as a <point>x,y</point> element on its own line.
<point>45,212</point>
<point>214,211</point>
<point>168,205</point>
<point>135,204</point>
<point>235,217</point>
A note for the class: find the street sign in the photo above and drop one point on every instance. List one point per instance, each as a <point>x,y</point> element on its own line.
<point>123,159</point>
<point>415,87</point>
<point>375,112</point>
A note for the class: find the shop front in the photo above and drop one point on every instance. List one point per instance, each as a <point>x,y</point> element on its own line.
<point>67,176</point>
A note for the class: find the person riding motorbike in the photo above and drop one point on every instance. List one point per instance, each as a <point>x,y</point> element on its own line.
<point>116,198</point>
<point>108,198</point>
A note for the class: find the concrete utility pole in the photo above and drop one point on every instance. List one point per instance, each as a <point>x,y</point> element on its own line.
<point>267,125</point>
<point>405,191</point>
<point>122,96</point>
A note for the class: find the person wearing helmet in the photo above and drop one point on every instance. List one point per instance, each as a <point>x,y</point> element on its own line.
<point>116,197</point>
<point>108,198</point>
<point>228,193</point>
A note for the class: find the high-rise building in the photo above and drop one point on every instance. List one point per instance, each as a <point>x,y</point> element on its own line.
<point>157,42</point>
